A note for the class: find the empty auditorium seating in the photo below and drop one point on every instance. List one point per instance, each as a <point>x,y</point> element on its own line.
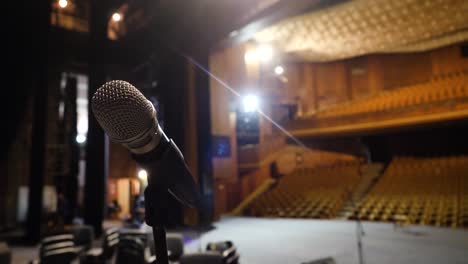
<point>226,249</point>
<point>57,249</point>
<point>103,254</point>
<point>5,253</point>
<point>175,246</point>
<point>131,250</point>
<point>447,90</point>
<point>428,191</point>
<point>309,193</point>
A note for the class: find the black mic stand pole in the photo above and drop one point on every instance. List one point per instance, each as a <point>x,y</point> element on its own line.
<point>359,227</point>
<point>168,175</point>
<point>156,211</point>
<point>156,195</point>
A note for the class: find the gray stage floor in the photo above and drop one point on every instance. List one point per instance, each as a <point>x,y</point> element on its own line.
<point>294,241</point>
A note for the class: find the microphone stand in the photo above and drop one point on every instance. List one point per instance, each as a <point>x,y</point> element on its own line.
<point>156,210</point>
<point>359,227</point>
<point>168,175</point>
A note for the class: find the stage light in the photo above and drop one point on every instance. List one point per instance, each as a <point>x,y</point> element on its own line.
<point>265,52</point>
<point>63,3</point>
<point>251,57</point>
<point>279,70</point>
<point>116,17</point>
<point>143,175</point>
<point>80,138</point>
<point>250,103</point>
<point>82,126</point>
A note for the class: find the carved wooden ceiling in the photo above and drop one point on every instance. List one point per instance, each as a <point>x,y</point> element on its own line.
<point>362,27</point>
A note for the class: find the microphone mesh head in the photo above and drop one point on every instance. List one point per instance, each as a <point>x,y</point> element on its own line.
<point>121,110</point>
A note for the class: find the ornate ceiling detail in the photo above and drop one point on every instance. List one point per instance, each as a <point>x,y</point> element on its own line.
<point>370,26</point>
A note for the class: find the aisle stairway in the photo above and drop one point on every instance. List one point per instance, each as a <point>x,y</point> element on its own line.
<point>370,175</point>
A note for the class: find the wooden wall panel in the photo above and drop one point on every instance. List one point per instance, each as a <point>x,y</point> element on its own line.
<point>239,76</point>
<point>220,201</point>
<point>405,69</point>
<point>309,95</point>
<point>331,84</point>
<point>374,73</point>
<point>121,165</point>
<point>319,85</point>
<point>448,59</point>
<point>222,123</point>
<point>294,83</point>
<point>358,76</point>
<point>220,97</point>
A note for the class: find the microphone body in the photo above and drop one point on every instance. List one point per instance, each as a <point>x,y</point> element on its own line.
<point>167,167</point>
<point>130,119</point>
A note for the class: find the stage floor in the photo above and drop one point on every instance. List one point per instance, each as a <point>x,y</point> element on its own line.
<point>293,241</point>
<point>262,240</point>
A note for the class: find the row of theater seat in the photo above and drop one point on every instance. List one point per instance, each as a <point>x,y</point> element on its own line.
<point>126,246</point>
<point>428,191</point>
<point>308,193</point>
<point>444,88</point>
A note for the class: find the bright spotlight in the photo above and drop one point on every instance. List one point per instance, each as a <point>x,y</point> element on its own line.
<point>82,126</point>
<point>265,52</point>
<point>143,175</point>
<point>262,53</point>
<point>250,103</point>
<point>116,17</point>
<point>63,3</point>
<point>80,138</point>
<point>279,70</point>
<point>251,57</point>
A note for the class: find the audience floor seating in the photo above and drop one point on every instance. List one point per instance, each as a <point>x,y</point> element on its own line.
<point>427,191</point>
<point>309,193</point>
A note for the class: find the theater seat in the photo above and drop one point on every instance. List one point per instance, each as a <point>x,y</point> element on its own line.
<point>5,254</point>
<point>227,250</point>
<point>131,250</point>
<point>58,249</point>
<point>83,235</point>
<point>427,191</point>
<point>103,254</point>
<point>445,89</point>
<point>309,193</point>
<point>175,246</point>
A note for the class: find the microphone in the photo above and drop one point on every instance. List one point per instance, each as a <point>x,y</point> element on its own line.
<point>129,118</point>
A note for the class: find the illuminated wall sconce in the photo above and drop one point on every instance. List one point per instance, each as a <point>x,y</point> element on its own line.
<point>143,175</point>
<point>63,3</point>
<point>80,138</point>
<point>279,70</point>
<point>116,17</point>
